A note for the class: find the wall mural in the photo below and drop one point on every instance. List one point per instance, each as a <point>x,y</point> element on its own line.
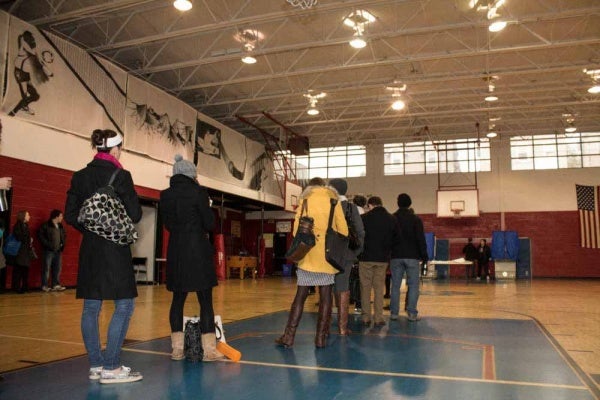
<point>156,123</point>
<point>51,82</point>
<point>54,83</point>
<point>210,144</point>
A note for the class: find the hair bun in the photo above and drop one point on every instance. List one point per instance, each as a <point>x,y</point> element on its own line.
<point>178,157</point>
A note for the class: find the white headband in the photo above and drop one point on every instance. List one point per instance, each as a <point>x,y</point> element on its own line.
<point>112,142</point>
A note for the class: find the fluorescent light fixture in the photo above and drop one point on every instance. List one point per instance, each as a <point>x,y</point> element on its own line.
<point>497,26</point>
<point>358,42</point>
<point>248,60</point>
<point>491,134</point>
<point>312,111</point>
<point>594,89</point>
<point>398,105</point>
<point>182,5</point>
<point>570,129</point>
<point>491,97</point>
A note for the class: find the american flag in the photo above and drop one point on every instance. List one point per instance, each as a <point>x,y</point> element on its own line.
<point>589,226</point>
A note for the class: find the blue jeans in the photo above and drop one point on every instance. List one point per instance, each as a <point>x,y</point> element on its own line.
<point>412,269</point>
<point>119,323</point>
<point>52,261</point>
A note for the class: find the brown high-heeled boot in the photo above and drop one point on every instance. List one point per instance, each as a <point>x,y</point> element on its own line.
<point>324,315</point>
<point>344,302</point>
<point>287,339</point>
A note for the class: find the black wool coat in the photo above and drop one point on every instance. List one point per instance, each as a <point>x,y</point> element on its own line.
<point>105,268</point>
<point>380,233</point>
<point>23,235</point>
<point>186,213</point>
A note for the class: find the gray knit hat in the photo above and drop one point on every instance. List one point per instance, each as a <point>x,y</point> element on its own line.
<point>184,167</point>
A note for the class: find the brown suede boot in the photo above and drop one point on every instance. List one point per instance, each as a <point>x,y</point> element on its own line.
<point>287,339</point>
<point>324,315</point>
<point>177,346</point>
<point>344,302</point>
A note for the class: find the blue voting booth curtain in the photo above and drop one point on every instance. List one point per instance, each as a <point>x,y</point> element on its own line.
<point>505,245</point>
<point>430,241</point>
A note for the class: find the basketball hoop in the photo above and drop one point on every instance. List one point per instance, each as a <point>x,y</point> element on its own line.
<point>456,212</point>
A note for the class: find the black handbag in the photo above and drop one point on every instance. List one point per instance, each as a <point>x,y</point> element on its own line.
<point>304,240</point>
<point>192,345</point>
<point>336,244</point>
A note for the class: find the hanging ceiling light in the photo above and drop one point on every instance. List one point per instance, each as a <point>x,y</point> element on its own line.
<point>398,105</point>
<point>397,88</point>
<point>497,26</point>
<point>248,59</point>
<point>570,123</point>
<point>358,41</point>
<point>491,134</point>
<point>249,39</point>
<point>491,87</point>
<point>595,75</point>
<point>182,5</point>
<point>358,20</point>
<point>313,99</point>
<point>491,129</point>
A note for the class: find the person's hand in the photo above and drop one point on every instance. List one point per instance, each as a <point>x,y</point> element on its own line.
<point>5,183</point>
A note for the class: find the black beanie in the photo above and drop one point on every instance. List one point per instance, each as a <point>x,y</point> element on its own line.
<point>340,185</point>
<point>404,200</point>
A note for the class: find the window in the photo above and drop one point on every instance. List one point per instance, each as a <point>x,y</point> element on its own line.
<point>569,150</point>
<point>447,156</point>
<point>335,162</point>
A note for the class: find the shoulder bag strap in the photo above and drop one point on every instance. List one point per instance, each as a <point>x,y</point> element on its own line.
<point>113,176</point>
<point>304,208</point>
<point>333,204</point>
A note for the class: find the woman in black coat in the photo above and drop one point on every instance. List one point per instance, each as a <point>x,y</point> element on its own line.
<point>22,260</point>
<point>186,213</point>
<point>105,268</point>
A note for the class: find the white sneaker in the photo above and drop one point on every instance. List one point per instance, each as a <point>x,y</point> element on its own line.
<point>121,375</point>
<point>46,289</point>
<point>95,373</point>
<point>58,288</point>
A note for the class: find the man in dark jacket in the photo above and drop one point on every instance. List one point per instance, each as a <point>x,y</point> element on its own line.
<point>470,253</point>
<point>409,248</point>
<point>380,228</point>
<point>52,236</point>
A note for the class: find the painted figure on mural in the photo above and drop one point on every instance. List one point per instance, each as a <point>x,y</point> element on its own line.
<point>28,65</point>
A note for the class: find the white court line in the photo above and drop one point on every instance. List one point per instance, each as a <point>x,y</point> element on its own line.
<point>420,376</point>
<point>40,340</point>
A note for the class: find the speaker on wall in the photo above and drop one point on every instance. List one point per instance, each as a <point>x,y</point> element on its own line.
<point>298,145</point>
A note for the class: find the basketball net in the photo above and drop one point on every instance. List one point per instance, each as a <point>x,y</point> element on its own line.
<point>456,213</point>
<point>303,4</point>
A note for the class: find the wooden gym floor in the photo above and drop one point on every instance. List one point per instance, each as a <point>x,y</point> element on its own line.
<point>499,340</point>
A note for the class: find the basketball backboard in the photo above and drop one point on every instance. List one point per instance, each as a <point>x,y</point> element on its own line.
<point>457,203</point>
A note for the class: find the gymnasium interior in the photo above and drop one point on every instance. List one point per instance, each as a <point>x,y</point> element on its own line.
<point>486,112</point>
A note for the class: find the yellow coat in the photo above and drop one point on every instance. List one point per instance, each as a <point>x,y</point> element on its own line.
<point>318,198</point>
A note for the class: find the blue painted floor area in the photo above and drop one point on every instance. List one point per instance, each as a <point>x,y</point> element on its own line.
<point>436,358</point>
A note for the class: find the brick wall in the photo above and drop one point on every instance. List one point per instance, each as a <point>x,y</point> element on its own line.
<point>555,245</point>
<point>39,189</point>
